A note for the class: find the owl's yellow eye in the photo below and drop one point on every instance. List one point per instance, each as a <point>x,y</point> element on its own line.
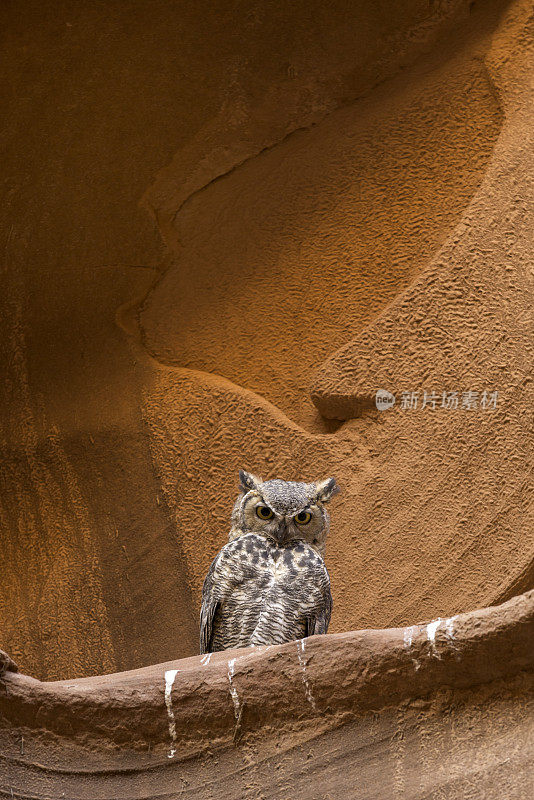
<point>264,512</point>
<point>303,517</point>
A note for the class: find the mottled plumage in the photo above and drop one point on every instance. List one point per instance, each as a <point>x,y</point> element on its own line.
<point>269,584</point>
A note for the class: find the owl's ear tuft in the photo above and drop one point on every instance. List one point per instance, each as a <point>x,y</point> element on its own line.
<point>248,481</point>
<point>326,489</point>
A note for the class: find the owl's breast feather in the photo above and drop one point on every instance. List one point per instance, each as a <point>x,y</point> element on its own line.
<point>265,593</point>
<point>254,558</point>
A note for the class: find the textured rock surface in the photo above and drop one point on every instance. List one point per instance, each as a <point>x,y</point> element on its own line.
<point>436,511</point>
<point>311,180</point>
<point>281,260</point>
<point>443,709</point>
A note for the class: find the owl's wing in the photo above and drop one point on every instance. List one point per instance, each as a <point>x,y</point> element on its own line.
<point>318,624</point>
<point>208,609</point>
<point>320,620</point>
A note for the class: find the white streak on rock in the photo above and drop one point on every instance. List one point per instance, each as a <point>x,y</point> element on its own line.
<point>170,675</point>
<point>233,690</point>
<point>408,640</point>
<point>408,636</point>
<point>300,653</point>
<point>431,630</point>
<point>449,626</point>
<point>205,660</point>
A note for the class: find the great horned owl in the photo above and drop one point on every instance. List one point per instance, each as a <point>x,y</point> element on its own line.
<point>269,584</point>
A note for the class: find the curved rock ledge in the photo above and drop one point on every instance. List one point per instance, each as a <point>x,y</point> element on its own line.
<point>147,719</point>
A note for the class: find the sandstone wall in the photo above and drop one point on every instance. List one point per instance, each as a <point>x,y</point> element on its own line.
<point>224,229</point>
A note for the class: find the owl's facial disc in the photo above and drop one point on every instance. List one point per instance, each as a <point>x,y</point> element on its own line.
<point>286,513</point>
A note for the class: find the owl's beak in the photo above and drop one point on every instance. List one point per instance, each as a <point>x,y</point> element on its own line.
<point>281,532</point>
